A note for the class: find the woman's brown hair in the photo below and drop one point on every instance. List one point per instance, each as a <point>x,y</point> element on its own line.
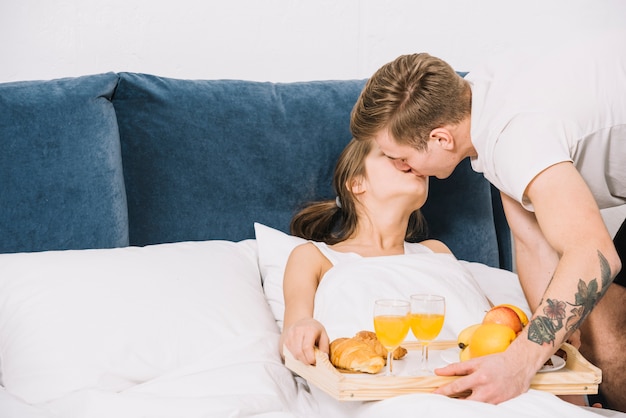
<point>328,222</point>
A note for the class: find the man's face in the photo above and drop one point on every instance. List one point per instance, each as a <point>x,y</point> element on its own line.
<point>433,161</point>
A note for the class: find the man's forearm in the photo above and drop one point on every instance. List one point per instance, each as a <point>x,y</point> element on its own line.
<point>536,265</point>
<point>559,315</point>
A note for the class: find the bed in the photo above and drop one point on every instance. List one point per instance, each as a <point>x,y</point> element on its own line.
<point>143,235</point>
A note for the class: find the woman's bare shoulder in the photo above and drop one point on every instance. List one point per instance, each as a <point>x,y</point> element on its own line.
<point>306,249</point>
<point>436,246</point>
<point>307,254</point>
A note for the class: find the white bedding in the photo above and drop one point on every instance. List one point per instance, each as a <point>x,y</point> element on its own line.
<point>346,294</point>
<point>218,359</point>
<point>239,380</point>
<point>533,404</point>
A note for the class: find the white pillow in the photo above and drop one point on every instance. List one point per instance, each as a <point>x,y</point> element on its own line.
<point>112,318</point>
<point>500,286</point>
<point>274,247</point>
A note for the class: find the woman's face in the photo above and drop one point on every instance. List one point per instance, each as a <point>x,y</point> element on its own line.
<point>385,182</point>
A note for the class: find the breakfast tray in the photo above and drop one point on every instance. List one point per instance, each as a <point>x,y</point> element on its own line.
<point>578,376</point>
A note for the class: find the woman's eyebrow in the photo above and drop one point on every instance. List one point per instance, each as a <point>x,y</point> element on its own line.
<point>387,154</point>
<point>391,156</point>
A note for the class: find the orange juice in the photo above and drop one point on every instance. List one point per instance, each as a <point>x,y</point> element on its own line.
<point>391,329</point>
<point>426,326</point>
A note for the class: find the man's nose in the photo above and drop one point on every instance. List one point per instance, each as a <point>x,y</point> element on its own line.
<point>401,165</point>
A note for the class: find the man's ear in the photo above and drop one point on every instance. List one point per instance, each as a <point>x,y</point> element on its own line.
<point>442,137</point>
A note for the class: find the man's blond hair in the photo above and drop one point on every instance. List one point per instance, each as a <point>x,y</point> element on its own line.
<point>409,97</point>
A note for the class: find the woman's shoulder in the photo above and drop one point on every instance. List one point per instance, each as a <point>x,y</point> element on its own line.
<point>433,245</point>
<point>306,249</point>
<point>312,253</point>
<point>307,257</point>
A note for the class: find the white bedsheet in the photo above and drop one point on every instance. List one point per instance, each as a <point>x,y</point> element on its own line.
<point>344,303</point>
<point>346,295</point>
<point>233,381</point>
<point>183,397</point>
<point>533,404</point>
<point>246,378</point>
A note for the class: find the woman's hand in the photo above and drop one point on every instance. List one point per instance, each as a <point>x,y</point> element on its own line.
<point>302,337</point>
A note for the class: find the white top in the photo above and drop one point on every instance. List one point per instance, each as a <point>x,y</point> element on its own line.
<point>533,109</point>
<point>336,257</point>
<point>346,295</point>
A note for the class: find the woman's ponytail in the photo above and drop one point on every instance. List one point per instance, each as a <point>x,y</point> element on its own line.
<point>318,221</point>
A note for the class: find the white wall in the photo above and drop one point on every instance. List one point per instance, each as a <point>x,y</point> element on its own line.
<point>273,40</point>
<point>276,40</point>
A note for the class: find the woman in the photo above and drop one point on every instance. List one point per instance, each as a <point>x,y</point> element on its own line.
<point>376,212</point>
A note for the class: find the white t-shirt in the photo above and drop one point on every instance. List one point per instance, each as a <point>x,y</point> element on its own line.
<point>532,109</point>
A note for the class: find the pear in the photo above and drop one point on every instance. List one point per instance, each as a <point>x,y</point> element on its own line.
<point>491,339</point>
<point>464,339</point>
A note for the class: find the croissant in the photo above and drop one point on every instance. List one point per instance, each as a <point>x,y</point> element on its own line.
<point>361,353</point>
<point>370,338</point>
<point>354,355</point>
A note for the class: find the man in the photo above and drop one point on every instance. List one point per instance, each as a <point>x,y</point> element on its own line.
<point>548,128</point>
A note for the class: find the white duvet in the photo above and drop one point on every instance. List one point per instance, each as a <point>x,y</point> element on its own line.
<point>239,380</point>
<point>240,384</point>
<point>344,302</point>
<point>346,295</point>
<point>185,331</point>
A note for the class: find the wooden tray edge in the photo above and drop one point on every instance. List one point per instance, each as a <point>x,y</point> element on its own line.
<point>578,376</point>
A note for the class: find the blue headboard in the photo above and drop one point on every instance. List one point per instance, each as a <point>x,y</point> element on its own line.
<point>205,159</point>
<point>115,159</point>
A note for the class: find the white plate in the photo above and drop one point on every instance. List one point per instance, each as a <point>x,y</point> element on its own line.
<point>557,364</point>
<point>451,355</point>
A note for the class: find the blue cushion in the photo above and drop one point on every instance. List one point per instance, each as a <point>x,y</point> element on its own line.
<point>60,166</point>
<point>206,159</point>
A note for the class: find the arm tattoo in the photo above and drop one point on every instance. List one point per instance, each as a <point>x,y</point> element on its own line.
<point>543,328</point>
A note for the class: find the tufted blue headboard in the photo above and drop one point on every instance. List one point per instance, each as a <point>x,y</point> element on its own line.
<point>115,159</point>
<point>61,179</point>
<point>206,159</point>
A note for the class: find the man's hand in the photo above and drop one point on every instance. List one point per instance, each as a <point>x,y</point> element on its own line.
<point>493,379</point>
<point>302,337</point>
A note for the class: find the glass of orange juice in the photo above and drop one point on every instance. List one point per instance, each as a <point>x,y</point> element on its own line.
<point>391,324</point>
<point>426,320</point>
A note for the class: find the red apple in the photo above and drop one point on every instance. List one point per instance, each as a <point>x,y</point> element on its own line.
<point>505,316</point>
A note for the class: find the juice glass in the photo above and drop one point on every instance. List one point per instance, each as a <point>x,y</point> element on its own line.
<point>426,320</point>
<point>391,324</point>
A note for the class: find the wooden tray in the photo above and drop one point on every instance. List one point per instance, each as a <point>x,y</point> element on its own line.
<point>577,377</point>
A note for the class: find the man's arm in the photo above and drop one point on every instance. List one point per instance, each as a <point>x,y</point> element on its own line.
<point>535,259</point>
<point>573,233</point>
<point>570,220</point>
